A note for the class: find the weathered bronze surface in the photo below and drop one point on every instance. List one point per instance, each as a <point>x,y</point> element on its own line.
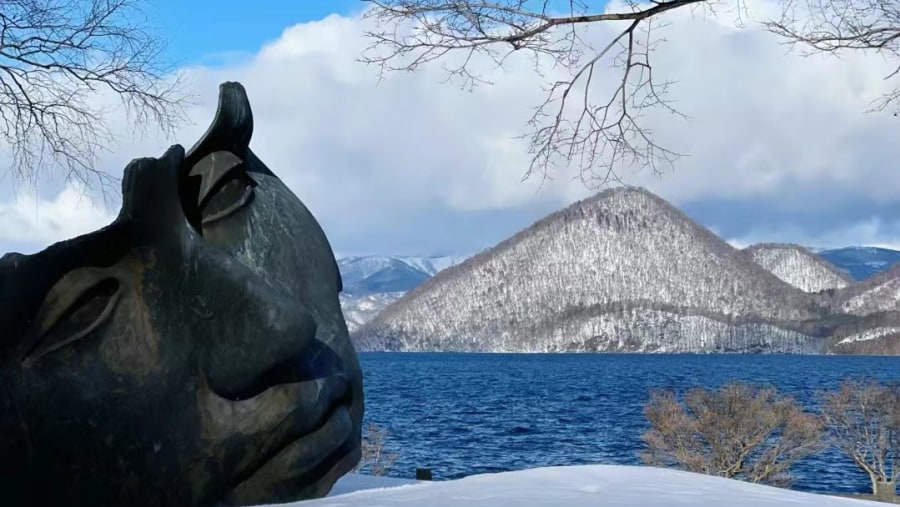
<point>193,352</point>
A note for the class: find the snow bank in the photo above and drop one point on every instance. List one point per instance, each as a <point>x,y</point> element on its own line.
<point>572,486</point>
<point>358,482</point>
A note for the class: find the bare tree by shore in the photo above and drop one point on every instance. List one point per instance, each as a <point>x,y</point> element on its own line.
<point>863,418</point>
<point>376,459</point>
<point>738,431</point>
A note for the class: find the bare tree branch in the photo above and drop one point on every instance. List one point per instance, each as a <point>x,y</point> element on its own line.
<point>837,26</point>
<point>573,126</point>
<point>570,127</point>
<point>57,60</point>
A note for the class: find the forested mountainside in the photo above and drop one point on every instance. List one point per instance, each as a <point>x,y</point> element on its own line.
<point>881,293</point>
<point>626,271</point>
<point>623,270</point>
<point>799,267</point>
<point>361,308</point>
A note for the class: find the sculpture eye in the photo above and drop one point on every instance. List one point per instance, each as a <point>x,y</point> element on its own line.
<point>77,305</point>
<point>225,186</point>
<point>230,197</point>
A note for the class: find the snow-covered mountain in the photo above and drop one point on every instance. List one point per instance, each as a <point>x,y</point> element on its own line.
<point>372,282</point>
<point>861,262</point>
<point>379,274</point>
<point>621,271</point>
<point>625,271</point>
<point>799,267</point>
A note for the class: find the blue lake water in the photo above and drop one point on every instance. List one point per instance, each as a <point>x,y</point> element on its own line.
<point>463,414</point>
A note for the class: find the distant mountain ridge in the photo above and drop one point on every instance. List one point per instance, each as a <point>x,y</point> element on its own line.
<point>624,271</point>
<point>861,262</point>
<point>379,274</point>
<point>372,282</point>
<point>799,266</point>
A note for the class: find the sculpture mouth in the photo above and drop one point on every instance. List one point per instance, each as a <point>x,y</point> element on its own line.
<point>296,467</point>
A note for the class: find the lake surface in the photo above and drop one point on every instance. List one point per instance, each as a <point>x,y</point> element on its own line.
<point>463,414</point>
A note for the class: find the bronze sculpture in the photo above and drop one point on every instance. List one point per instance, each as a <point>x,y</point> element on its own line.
<point>193,352</point>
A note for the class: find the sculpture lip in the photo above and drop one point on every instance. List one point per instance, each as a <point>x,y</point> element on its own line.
<point>335,427</point>
<point>338,392</point>
<point>343,403</point>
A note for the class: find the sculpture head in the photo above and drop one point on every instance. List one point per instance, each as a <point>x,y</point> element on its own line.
<point>193,352</point>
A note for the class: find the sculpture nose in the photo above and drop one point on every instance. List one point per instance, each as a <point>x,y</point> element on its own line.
<point>259,348</point>
<point>256,335</point>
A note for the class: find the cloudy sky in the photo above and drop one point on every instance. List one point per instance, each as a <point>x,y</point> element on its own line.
<point>780,146</point>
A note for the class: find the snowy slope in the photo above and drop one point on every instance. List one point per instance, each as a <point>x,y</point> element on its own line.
<point>869,312</point>
<point>361,308</point>
<point>880,293</point>
<point>799,267</point>
<point>621,271</point>
<point>882,297</point>
<point>574,486</point>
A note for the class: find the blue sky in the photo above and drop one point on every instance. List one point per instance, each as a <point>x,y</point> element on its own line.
<point>201,31</point>
<point>779,146</point>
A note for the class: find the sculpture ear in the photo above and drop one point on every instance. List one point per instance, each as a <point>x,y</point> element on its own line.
<point>217,156</point>
<point>231,128</point>
<point>77,304</point>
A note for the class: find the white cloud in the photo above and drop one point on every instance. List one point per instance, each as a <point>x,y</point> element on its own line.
<point>874,231</point>
<point>361,153</point>
<point>33,221</point>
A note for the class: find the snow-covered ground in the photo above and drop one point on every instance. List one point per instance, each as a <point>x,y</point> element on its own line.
<point>357,482</point>
<point>572,486</point>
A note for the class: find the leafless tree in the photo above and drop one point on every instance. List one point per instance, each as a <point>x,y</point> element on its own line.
<point>582,123</point>
<point>376,460</point>
<point>571,126</point>
<point>60,61</point>
<point>737,431</point>
<point>839,26</point>
<point>863,418</point>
